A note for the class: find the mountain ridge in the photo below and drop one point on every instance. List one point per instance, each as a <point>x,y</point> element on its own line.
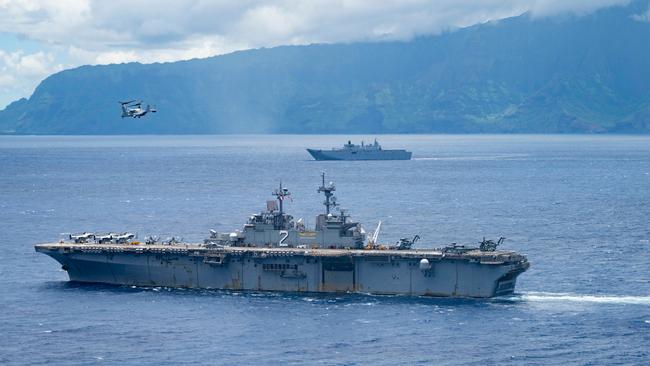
<point>584,74</point>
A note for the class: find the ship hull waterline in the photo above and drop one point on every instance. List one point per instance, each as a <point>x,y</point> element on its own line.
<point>292,270</point>
<point>321,155</point>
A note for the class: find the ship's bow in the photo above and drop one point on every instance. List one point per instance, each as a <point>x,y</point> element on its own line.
<point>506,284</point>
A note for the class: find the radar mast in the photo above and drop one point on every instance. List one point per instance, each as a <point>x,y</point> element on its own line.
<point>330,200</point>
<point>281,194</point>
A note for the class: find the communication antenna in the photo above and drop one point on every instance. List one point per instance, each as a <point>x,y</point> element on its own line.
<point>330,200</point>
<point>281,194</point>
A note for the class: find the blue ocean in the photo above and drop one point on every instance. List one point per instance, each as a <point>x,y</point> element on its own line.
<point>577,206</point>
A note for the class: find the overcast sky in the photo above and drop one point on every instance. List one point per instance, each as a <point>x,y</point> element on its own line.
<point>38,38</point>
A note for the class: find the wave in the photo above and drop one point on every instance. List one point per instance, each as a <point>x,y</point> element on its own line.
<point>582,298</point>
<point>478,157</point>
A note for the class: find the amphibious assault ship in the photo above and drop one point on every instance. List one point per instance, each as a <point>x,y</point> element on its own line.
<point>351,151</point>
<point>274,252</point>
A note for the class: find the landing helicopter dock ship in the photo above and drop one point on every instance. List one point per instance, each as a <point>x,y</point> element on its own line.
<point>275,253</point>
<point>352,151</point>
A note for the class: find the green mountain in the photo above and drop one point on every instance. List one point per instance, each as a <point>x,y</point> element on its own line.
<point>588,74</point>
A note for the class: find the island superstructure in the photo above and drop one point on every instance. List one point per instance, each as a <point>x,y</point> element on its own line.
<point>274,252</point>
<point>364,151</point>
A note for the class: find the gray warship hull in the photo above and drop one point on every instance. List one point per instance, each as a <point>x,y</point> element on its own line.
<point>476,273</point>
<point>360,154</point>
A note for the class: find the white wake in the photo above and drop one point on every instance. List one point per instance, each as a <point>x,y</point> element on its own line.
<point>580,298</point>
<point>475,157</point>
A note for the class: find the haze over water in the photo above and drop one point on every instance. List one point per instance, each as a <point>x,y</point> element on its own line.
<point>577,206</point>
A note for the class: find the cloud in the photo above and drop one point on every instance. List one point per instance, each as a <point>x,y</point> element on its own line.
<point>75,32</point>
<point>643,17</point>
<point>20,72</point>
<point>35,65</point>
<point>130,26</point>
<point>542,8</point>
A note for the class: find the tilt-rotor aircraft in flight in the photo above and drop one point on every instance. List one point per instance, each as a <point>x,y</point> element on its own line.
<point>134,109</point>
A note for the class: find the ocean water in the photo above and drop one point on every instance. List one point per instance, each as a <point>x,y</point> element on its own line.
<point>577,206</point>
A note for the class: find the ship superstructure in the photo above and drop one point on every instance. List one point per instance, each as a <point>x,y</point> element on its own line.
<point>275,253</point>
<point>275,228</point>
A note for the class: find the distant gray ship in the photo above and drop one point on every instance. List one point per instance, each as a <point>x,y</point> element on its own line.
<point>351,151</point>
<point>275,253</point>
